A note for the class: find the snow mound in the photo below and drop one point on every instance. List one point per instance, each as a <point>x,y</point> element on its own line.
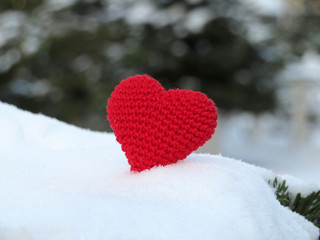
<point>61,182</point>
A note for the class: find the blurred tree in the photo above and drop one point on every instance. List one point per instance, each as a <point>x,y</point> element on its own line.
<point>299,30</point>
<point>215,61</point>
<point>64,58</point>
<point>24,5</point>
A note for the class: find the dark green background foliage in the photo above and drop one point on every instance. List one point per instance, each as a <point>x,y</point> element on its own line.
<point>24,5</point>
<point>83,50</point>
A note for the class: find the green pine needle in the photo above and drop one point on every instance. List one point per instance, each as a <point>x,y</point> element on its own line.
<point>308,206</point>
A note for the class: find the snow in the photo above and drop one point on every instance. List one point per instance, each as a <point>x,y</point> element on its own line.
<point>59,4</point>
<point>58,181</point>
<point>140,12</point>
<point>267,7</point>
<point>306,68</point>
<point>197,18</point>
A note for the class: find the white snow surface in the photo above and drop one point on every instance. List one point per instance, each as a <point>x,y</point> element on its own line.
<point>61,182</point>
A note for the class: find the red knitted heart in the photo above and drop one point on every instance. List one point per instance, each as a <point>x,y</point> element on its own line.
<point>156,127</point>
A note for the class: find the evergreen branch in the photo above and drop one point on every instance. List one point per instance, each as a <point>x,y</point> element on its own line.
<point>308,206</point>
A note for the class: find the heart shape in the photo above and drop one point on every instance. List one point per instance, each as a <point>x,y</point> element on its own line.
<point>158,127</point>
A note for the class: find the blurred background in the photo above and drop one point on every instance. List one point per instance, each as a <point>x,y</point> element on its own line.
<point>258,60</point>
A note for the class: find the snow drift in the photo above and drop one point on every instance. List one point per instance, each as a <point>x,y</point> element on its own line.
<point>61,182</point>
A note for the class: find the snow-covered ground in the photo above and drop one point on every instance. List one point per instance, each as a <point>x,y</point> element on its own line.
<point>61,182</point>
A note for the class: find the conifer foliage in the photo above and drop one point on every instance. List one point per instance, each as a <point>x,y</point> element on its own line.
<point>308,206</point>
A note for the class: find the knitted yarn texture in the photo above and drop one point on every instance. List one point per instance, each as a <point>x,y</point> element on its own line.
<point>157,127</point>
